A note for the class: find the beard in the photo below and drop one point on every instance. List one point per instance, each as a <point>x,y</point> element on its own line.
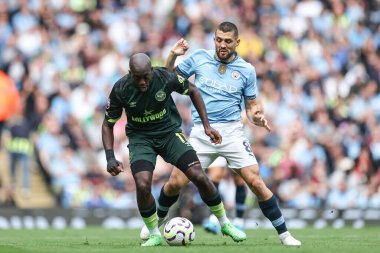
<point>225,56</point>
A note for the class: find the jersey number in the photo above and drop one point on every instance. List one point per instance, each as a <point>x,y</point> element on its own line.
<point>181,137</point>
<point>247,146</point>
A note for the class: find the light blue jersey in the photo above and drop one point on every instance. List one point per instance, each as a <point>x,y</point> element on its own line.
<point>222,93</point>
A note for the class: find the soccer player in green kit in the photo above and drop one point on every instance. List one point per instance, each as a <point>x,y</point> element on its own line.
<point>153,129</point>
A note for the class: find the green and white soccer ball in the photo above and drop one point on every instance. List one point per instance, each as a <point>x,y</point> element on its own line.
<point>179,232</point>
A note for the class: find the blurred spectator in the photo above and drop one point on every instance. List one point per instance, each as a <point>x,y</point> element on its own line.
<point>318,70</point>
<point>19,145</point>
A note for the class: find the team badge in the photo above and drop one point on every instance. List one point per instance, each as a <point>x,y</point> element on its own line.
<point>235,75</point>
<point>160,95</point>
<point>222,69</point>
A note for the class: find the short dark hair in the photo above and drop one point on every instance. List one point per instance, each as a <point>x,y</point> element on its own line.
<point>228,27</point>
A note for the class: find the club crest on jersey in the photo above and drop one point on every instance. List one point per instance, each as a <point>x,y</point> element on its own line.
<point>222,69</point>
<point>160,95</point>
<point>235,75</point>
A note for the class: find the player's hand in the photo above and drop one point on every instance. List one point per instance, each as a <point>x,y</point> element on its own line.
<point>114,167</point>
<point>260,120</point>
<point>180,47</point>
<point>214,135</point>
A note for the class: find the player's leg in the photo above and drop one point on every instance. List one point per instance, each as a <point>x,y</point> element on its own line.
<point>142,174</point>
<point>178,151</point>
<point>190,165</point>
<point>216,171</point>
<point>240,197</point>
<point>239,154</point>
<point>267,203</point>
<point>142,166</point>
<point>168,196</point>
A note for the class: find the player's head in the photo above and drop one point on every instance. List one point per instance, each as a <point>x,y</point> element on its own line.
<point>141,71</point>
<point>226,40</point>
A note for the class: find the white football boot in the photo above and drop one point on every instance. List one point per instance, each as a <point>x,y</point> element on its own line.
<point>287,239</point>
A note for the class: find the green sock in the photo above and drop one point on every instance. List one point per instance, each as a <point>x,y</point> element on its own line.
<point>218,210</point>
<point>220,213</point>
<point>152,223</point>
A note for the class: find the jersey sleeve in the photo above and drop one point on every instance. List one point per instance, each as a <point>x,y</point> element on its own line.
<point>187,66</point>
<point>178,83</point>
<point>250,89</point>
<point>114,108</point>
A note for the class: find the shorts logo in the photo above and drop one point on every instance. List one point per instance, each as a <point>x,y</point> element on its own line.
<point>235,75</point>
<point>160,95</point>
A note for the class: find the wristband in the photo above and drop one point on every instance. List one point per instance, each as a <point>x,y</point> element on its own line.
<point>110,154</point>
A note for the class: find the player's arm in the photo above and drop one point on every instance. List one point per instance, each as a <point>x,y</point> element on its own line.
<point>199,105</point>
<point>255,113</point>
<point>179,48</point>
<point>112,114</point>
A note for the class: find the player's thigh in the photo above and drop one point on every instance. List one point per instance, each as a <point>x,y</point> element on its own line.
<point>239,181</point>
<point>206,151</point>
<point>173,147</point>
<point>141,149</point>
<point>217,169</point>
<point>248,173</point>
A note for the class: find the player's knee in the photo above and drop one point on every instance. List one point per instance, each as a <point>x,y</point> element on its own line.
<point>257,184</point>
<point>197,176</point>
<point>174,186</point>
<point>143,187</point>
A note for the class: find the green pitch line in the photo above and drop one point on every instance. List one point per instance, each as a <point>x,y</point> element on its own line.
<point>98,240</point>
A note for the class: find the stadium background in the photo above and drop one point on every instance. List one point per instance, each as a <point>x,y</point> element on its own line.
<point>318,69</point>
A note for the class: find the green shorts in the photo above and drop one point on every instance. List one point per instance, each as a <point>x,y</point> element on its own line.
<point>170,147</point>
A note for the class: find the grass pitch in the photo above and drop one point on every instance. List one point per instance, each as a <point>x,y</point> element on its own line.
<point>95,239</point>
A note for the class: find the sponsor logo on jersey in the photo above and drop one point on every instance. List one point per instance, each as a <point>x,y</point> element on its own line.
<point>150,117</point>
<point>216,84</point>
<point>160,95</point>
<point>235,75</point>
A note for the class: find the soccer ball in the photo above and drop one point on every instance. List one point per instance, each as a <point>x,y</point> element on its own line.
<point>179,231</point>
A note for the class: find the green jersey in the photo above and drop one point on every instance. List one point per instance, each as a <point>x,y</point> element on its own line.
<point>152,113</point>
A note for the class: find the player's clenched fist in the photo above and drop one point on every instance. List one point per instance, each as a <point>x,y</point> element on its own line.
<point>180,47</point>
<point>214,135</point>
<point>114,167</point>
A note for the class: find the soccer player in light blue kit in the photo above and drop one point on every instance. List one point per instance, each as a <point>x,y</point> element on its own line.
<point>224,80</point>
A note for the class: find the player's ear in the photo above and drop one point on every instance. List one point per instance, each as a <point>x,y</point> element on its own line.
<point>237,42</point>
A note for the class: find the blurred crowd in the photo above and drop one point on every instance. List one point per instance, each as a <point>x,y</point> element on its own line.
<point>318,71</point>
